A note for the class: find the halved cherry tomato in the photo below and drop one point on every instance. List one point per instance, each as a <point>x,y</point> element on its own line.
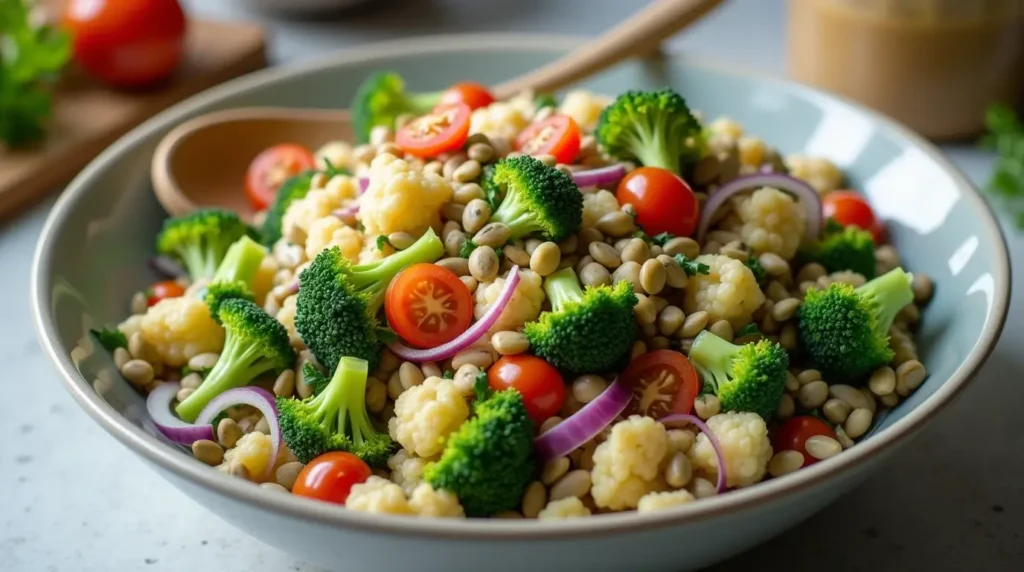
<point>162,291</point>
<point>850,208</point>
<point>331,476</point>
<point>663,382</point>
<point>471,93</point>
<point>444,129</point>
<point>663,201</point>
<point>427,305</point>
<point>540,383</point>
<point>795,432</point>
<point>271,168</point>
<point>558,135</point>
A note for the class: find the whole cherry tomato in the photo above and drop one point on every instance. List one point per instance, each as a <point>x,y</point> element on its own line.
<point>444,129</point>
<point>162,291</point>
<point>126,43</point>
<point>427,305</point>
<point>538,381</point>
<point>794,433</point>
<point>558,135</point>
<point>271,168</point>
<point>663,382</point>
<point>471,93</point>
<point>663,201</point>
<point>331,476</point>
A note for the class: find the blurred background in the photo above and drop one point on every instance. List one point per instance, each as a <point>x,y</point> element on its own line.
<point>936,507</point>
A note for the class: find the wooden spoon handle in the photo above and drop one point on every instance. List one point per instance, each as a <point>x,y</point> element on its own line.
<point>636,36</point>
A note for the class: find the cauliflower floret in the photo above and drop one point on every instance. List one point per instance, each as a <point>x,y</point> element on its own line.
<point>180,328</point>
<point>426,414</point>
<point>569,507</point>
<point>728,291</point>
<point>425,501</point>
<point>768,220</point>
<point>744,439</point>
<point>401,198</point>
<point>131,325</point>
<point>726,128</point>
<point>286,315</point>
<point>378,495</point>
<point>584,107</point>
<point>330,231</point>
<point>337,154</point>
<point>523,307</point>
<point>819,172</point>
<point>318,203</point>
<point>524,103</point>
<point>252,451</point>
<point>501,119</point>
<point>627,465</point>
<point>406,470</point>
<point>661,501</point>
<point>596,205</point>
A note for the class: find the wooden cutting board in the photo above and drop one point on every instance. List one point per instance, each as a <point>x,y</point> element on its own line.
<point>88,117</point>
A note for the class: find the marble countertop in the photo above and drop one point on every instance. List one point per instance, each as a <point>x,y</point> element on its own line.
<point>73,499</point>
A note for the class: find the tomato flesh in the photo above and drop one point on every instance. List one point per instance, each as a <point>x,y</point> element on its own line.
<point>331,476</point>
<point>444,129</point>
<point>663,382</point>
<point>162,291</point>
<point>126,43</point>
<point>794,433</point>
<point>428,305</point>
<point>849,208</point>
<point>558,135</point>
<point>271,168</point>
<point>541,385</point>
<point>663,201</point>
<point>471,93</point>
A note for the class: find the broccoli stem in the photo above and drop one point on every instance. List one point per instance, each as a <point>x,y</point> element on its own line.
<point>422,103</point>
<point>344,400</point>
<point>563,287</point>
<point>199,261</point>
<point>377,275</point>
<point>241,263</point>
<point>888,293</point>
<point>519,219</point>
<point>713,356</point>
<point>655,149</point>
<point>237,366</point>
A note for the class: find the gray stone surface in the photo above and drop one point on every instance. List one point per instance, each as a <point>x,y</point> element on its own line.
<point>72,499</point>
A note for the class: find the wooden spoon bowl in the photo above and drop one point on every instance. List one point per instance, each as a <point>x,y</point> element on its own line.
<point>192,168</point>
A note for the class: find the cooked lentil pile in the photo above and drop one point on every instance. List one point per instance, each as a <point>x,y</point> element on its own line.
<point>529,308</point>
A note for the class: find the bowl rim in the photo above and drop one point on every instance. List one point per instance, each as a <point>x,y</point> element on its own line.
<point>199,475</point>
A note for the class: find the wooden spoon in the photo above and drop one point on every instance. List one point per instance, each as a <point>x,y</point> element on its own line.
<point>185,178</point>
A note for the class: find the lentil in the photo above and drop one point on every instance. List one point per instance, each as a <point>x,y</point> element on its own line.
<point>138,348</point>
<point>284,385</point>
<point>775,291</point>
<point>573,484</point>
<point>628,271</point>
<point>183,393</point>
<point>682,245</point>
<point>822,447</point>
<point>843,438</point>
<point>553,470</point>
<point>653,276</point>
<point>644,310</point>
<point>549,424</point>
<point>792,383</point>
<point>836,410</point>
<point>616,224</point>
<point>545,258</point>
<point>208,452</point>
<point>813,395</point>
<point>707,406</point>
<point>636,250</point>
<point>702,488</point>
<point>138,372</point>
<point>911,373</point>
<point>467,171</point>
<point>470,282</point>
<point>605,255</point>
<point>569,245</point>
<point>517,256</point>
<point>869,398</point>
<point>785,310</point>
<point>262,426</point>
<point>480,358</point>
<point>722,329</point>
<point>192,381</point>
<point>452,211</point>
<point>228,432</point>
<point>670,320</point>
<point>882,381</point>
<point>121,357</point>
<point>595,274</point>
<point>287,473</point>
<point>785,462</point>
<point>850,395</point>
<point>679,471</point>
<point>483,264</point>
<point>534,499</point>
<point>459,266</point>
<point>409,375</point>
<point>395,386</point>
<point>808,375</point>
<point>203,361</point>
<point>639,348</point>
<point>786,408</point>
<point>858,423</point>
<point>510,343</point>
<point>465,377</point>
<point>376,395</point>
<point>889,400</point>
<point>480,152</point>
<point>493,234</point>
<point>586,388</point>
<point>467,193</point>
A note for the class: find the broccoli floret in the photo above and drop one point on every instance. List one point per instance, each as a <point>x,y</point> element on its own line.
<point>586,331</point>
<point>545,100</point>
<point>335,419</point>
<point>488,461</point>
<point>201,239</point>
<point>381,98</point>
<point>111,338</point>
<point>538,199</point>
<point>655,128</point>
<point>255,344</point>
<point>845,248</point>
<point>219,292</point>
<point>845,330</point>
<point>751,377</point>
<point>336,309</point>
<point>293,189</point>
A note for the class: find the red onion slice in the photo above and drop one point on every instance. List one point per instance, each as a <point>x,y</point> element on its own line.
<point>603,177</point>
<point>470,336</point>
<point>585,424</point>
<point>719,454</point>
<point>804,192</point>
<point>256,397</point>
<point>158,404</point>
<point>167,266</point>
<point>346,212</point>
<point>364,183</point>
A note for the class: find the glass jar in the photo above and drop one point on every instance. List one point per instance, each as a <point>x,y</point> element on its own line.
<point>932,64</point>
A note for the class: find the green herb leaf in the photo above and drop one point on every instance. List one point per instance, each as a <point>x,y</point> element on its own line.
<point>467,248</point>
<point>661,238</point>
<point>759,273</point>
<point>1006,137</point>
<point>748,330</point>
<point>111,338</point>
<point>692,267</point>
<point>383,241</point>
<point>312,377</point>
<point>448,374</point>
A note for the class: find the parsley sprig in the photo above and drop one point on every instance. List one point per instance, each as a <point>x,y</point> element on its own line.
<point>1006,137</point>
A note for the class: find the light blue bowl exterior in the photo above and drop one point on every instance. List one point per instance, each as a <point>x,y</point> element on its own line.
<point>92,255</point>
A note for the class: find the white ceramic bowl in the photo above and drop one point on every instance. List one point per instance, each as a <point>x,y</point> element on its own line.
<point>92,253</point>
